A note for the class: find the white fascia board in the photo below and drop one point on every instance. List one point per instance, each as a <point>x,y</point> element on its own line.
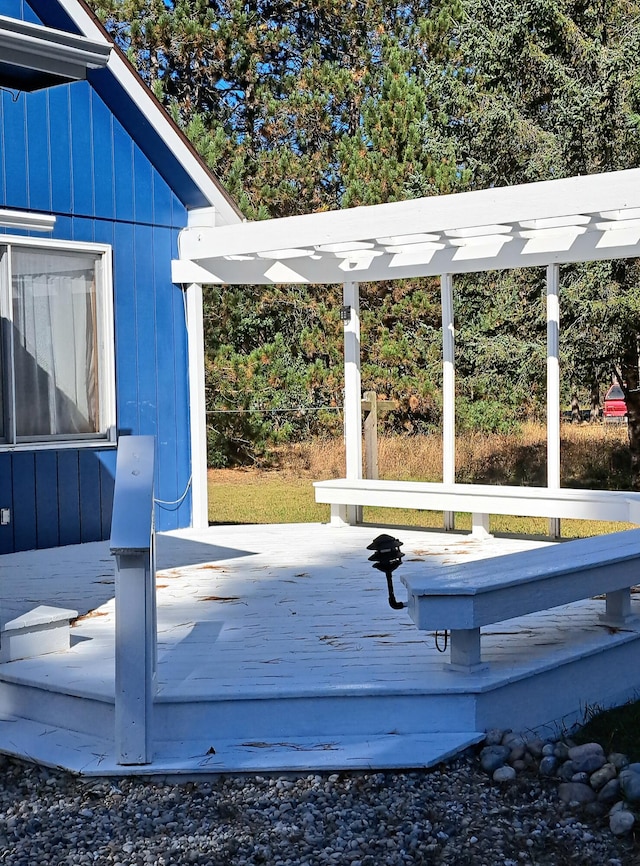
<point>28,220</point>
<point>154,113</point>
<point>512,205</point>
<point>45,49</point>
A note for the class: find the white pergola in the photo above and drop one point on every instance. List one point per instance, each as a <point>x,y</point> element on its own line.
<point>577,219</point>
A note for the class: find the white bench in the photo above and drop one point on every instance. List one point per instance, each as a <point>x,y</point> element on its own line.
<point>463,598</point>
<point>480,500</point>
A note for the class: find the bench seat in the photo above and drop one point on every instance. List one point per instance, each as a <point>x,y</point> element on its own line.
<point>480,500</point>
<point>464,597</point>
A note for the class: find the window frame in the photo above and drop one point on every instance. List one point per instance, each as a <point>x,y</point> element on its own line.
<point>105,339</point>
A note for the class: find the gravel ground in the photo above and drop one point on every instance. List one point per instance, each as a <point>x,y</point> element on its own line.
<point>453,815</point>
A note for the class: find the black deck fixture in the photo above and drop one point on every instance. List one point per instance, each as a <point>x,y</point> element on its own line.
<point>386,557</point>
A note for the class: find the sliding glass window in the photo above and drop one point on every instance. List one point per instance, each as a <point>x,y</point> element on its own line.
<point>57,347</point>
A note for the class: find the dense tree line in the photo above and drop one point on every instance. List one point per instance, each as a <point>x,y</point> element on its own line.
<point>303,105</point>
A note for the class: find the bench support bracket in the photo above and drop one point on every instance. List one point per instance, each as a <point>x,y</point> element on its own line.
<point>464,649</point>
<point>480,527</point>
<point>618,609</point>
<point>344,515</point>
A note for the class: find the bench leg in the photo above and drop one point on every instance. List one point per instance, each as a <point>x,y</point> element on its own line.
<point>480,526</point>
<point>618,608</point>
<point>464,651</point>
<point>344,515</point>
<point>449,520</point>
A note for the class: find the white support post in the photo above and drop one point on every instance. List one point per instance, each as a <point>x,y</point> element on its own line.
<point>135,658</point>
<point>618,609</point>
<point>352,390</point>
<point>553,388</point>
<point>133,545</point>
<point>464,651</point>
<point>448,391</point>
<point>197,407</point>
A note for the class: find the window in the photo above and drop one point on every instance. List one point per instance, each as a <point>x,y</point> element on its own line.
<point>56,353</point>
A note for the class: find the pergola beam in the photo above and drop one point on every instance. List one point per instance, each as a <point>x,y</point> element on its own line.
<point>510,206</point>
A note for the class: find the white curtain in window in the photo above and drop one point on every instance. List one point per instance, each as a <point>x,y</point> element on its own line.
<point>54,343</point>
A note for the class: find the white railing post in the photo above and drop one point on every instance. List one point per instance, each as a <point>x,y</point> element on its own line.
<point>352,391</point>
<point>448,391</point>
<point>553,388</point>
<point>133,545</point>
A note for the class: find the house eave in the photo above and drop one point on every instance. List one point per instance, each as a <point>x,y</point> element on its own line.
<point>33,56</point>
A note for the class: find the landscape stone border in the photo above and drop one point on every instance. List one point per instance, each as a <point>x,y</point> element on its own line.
<point>589,779</point>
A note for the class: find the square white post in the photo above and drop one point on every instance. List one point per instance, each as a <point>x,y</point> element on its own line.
<point>448,391</point>
<point>464,652</point>
<point>197,408</point>
<point>135,658</point>
<point>133,545</point>
<point>553,388</point>
<point>618,608</point>
<point>352,393</point>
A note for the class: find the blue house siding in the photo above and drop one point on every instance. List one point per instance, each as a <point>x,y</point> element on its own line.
<point>57,497</point>
<point>63,151</point>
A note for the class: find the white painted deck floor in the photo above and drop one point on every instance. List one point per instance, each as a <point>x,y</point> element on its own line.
<point>290,622</point>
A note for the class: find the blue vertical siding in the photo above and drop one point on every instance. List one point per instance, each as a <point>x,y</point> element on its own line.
<point>14,152</point>
<point>38,170</point>
<point>123,174</point>
<point>62,151</point>
<point>145,348</point>
<point>24,500</point>
<point>47,514</point>
<point>162,204</point>
<point>60,144</point>
<point>104,190</point>
<point>142,188</point>
<point>107,471</point>
<point>166,361</point>
<point>82,174</point>
<point>18,9</point>
<point>90,500</point>
<point>126,329</point>
<point>6,501</point>
<point>69,497</point>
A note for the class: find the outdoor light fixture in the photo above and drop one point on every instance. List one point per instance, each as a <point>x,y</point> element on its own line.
<point>386,557</point>
<point>345,313</point>
<point>19,219</point>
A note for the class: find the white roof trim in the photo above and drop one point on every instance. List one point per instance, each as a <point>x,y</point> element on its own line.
<point>156,116</point>
<point>43,49</point>
<point>22,219</point>
<point>569,220</point>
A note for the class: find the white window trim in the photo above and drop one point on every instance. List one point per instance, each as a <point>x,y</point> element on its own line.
<point>106,345</point>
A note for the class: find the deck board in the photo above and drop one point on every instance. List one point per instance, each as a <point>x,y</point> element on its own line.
<point>290,613</point>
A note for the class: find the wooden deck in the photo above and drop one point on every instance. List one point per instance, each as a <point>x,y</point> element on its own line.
<point>277,651</point>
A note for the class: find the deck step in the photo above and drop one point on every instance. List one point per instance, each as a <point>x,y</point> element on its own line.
<point>42,630</point>
<point>87,755</point>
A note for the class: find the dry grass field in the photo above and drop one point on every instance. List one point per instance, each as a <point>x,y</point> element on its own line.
<point>591,456</point>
